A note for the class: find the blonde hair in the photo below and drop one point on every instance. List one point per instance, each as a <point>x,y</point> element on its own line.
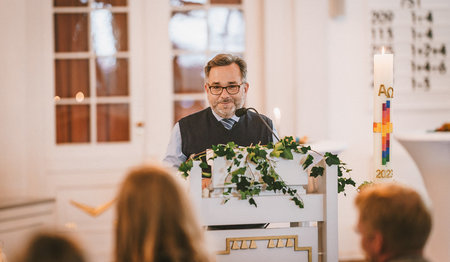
<point>155,221</point>
<point>398,213</point>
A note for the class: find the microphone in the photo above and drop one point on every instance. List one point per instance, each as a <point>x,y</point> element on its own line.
<point>242,111</point>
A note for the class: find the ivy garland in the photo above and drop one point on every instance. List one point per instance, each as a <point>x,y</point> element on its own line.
<point>249,187</point>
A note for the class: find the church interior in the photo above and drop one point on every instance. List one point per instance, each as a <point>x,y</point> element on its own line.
<point>90,88</point>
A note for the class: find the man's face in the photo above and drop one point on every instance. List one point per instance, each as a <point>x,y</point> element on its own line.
<point>225,104</point>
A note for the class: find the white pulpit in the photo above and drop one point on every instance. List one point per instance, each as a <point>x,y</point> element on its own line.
<point>431,153</point>
<point>313,238</point>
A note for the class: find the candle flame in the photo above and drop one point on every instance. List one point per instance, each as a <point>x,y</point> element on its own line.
<point>277,113</point>
<point>382,50</point>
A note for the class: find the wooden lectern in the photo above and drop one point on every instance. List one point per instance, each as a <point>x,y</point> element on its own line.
<point>294,234</point>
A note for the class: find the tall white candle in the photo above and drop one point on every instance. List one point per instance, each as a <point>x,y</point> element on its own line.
<point>383,78</point>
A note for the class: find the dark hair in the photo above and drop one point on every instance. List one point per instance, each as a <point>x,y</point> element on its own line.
<point>51,247</point>
<point>227,59</point>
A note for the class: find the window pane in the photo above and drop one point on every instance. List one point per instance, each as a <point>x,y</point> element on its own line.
<point>71,33</point>
<point>112,76</point>
<point>109,32</point>
<point>237,2</point>
<point>71,77</point>
<point>109,3</point>
<point>187,107</point>
<point>113,122</point>
<point>226,30</point>
<point>187,2</point>
<point>188,30</point>
<point>72,124</point>
<point>188,73</point>
<point>70,2</point>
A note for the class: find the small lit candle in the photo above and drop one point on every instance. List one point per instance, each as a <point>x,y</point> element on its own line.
<point>277,115</point>
<point>383,78</point>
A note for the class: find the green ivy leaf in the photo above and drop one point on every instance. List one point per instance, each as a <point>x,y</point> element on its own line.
<point>297,202</point>
<point>276,153</point>
<point>364,184</point>
<point>220,151</point>
<point>305,149</point>
<point>316,171</point>
<point>186,167</point>
<point>231,144</point>
<point>230,154</point>
<point>239,171</point>
<point>234,179</point>
<point>287,154</point>
<point>278,146</point>
<point>308,161</point>
<point>243,184</point>
<point>252,157</point>
<point>252,202</point>
<point>204,165</point>
<point>342,182</point>
<point>243,194</point>
<point>331,159</point>
<point>261,153</point>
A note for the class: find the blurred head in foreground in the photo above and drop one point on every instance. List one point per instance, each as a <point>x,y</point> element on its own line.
<point>155,221</point>
<point>52,247</point>
<point>393,222</point>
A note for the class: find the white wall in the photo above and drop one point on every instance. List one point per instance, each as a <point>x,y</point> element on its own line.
<point>279,65</point>
<point>311,69</point>
<point>350,116</point>
<point>13,98</point>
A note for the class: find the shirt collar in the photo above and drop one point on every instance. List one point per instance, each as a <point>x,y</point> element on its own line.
<point>234,117</point>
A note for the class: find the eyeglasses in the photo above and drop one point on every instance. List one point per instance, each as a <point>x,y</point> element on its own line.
<point>231,89</point>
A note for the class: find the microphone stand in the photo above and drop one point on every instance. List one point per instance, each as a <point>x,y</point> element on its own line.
<point>262,119</point>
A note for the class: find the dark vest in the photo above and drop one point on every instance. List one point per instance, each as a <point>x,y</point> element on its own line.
<point>201,130</point>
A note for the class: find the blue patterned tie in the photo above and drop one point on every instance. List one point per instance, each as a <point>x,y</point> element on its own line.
<point>228,123</point>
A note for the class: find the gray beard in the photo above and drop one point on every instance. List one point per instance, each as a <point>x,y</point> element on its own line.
<point>230,114</point>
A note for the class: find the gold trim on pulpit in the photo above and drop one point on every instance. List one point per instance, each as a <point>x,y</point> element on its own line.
<point>235,243</point>
<point>93,211</point>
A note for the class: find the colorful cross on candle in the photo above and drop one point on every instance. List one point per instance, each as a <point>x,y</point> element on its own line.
<point>385,128</point>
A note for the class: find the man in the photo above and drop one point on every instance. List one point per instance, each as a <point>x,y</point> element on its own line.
<point>226,88</point>
<point>394,223</point>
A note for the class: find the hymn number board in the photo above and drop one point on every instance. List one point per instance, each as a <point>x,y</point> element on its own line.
<point>417,32</point>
